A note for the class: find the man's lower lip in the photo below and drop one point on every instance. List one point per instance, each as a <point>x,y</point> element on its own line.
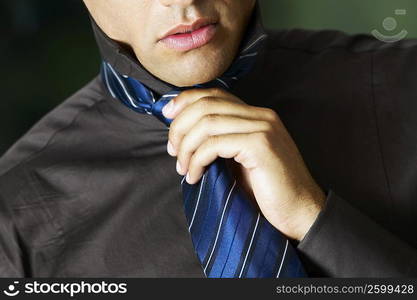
<point>192,40</point>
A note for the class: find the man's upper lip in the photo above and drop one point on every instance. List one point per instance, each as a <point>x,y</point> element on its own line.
<point>184,28</point>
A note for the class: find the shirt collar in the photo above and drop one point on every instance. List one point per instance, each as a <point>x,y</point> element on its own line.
<point>126,63</point>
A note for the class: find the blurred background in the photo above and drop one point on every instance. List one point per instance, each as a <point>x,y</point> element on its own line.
<point>48,50</point>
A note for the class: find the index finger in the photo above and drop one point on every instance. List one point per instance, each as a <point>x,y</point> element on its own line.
<point>185,98</point>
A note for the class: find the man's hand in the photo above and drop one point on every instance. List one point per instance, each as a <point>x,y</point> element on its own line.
<point>211,123</point>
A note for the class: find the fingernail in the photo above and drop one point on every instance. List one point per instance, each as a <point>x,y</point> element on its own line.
<point>170,149</point>
<point>179,167</point>
<point>187,178</point>
<point>168,108</point>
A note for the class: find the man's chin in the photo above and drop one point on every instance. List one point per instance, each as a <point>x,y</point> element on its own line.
<point>196,71</point>
<point>192,80</point>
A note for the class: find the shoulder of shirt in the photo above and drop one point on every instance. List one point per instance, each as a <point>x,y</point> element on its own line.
<point>39,136</point>
<point>319,41</point>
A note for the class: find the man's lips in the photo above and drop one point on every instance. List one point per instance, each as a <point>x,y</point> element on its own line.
<point>188,37</point>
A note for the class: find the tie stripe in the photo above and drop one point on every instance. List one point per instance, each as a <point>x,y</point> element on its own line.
<point>250,245</point>
<point>231,237</point>
<point>255,43</point>
<point>219,227</point>
<point>122,85</point>
<point>283,258</point>
<point>198,201</point>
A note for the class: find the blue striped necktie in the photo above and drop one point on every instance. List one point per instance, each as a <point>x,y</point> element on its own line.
<point>230,236</point>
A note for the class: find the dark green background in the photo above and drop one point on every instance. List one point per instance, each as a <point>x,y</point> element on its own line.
<point>48,51</point>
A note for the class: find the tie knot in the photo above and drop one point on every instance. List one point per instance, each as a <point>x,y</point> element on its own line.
<point>134,94</point>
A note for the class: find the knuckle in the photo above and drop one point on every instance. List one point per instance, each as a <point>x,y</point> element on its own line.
<point>183,151</point>
<point>204,103</point>
<point>270,114</point>
<point>261,137</point>
<point>194,161</point>
<point>191,162</point>
<point>208,99</point>
<point>173,131</point>
<point>210,119</point>
<point>213,141</point>
<point>187,93</point>
<point>216,91</point>
<point>173,127</point>
<point>267,126</point>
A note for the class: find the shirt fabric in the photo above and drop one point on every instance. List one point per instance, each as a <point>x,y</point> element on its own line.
<point>90,191</point>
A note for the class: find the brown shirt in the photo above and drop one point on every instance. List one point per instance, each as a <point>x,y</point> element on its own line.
<point>91,191</point>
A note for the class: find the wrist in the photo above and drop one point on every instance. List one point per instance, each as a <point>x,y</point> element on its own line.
<point>307,220</point>
<point>304,216</point>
